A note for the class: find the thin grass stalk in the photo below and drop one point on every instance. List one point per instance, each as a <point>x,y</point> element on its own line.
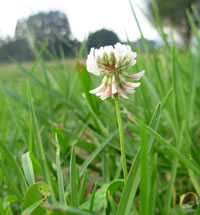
<point>121,135</point>
<point>59,174</point>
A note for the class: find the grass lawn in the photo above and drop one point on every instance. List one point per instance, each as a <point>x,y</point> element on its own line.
<point>60,146</point>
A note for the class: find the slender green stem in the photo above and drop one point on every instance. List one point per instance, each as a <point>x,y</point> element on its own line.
<point>121,135</point>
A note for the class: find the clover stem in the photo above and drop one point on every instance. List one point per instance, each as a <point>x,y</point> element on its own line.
<point>121,135</point>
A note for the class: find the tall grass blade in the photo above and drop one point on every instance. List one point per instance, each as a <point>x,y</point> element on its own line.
<point>144,182</point>
<point>59,174</point>
<point>82,188</point>
<point>190,165</point>
<point>39,146</point>
<point>73,185</point>
<point>173,173</point>
<point>9,156</point>
<point>92,198</point>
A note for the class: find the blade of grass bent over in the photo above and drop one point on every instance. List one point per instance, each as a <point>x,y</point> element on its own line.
<point>190,165</point>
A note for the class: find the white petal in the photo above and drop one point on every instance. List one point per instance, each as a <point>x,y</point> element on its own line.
<point>120,51</point>
<point>108,49</point>
<point>91,64</point>
<point>129,90</point>
<point>125,57</point>
<point>101,52</point>
<point>114,88</point>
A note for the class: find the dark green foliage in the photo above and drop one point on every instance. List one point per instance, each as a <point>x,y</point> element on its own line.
<point>51,28</point>
<point>173,12</point>
<point>44,27</point>
<point>18,49</point>
<point>102,38</point>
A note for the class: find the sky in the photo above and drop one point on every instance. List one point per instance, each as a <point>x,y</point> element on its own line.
<point>85,16</point>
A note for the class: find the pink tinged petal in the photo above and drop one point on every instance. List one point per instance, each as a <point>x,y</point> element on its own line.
<point>137,76</point>
<point>100,93</point>
<point>106,94</point>
<point>98,89</point>
<point>132,85</point>
<point>121,93</point>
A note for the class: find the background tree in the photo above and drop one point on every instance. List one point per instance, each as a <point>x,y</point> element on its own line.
<point>101,38</point>
<point>17,49</point>
<point>52,27</point>
<point>45,27</point>
<point>173,12</point>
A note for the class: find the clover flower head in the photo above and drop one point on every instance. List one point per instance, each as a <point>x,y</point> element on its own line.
<point>111,62</point>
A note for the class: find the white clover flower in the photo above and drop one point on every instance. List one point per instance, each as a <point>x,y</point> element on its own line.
<point>111,62</point>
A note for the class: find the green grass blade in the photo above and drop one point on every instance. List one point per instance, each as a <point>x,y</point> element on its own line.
<point>11,183</point>
<point>2,209</point>
<point>112,203</point>
<point>59,175</point>
<point>28,168</point>
<point>153,187</point>
<point>140,30</point>
<point>16,120</point>
<point>193,85</point>
<point>66,211</point>
<point>144,183</point>
<point>92,198</point>
<point>194,27</point>
<point>20,99</point>
<point>198,209</point>
<point>162,141</point>
<point>159,23</point>
<point>196,13</point>
<point>73,185</point>
<point>96,152</point>
<point>82,188</point>
<point>50,98</point>
<point>9,156</point>
<point>173,174</point>
<point>43,86</point>
<point>31,208</point>
<point>39,146</point>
